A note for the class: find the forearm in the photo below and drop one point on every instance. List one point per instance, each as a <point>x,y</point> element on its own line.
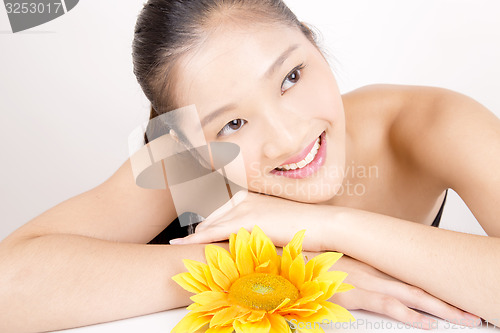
<point>62,281</point>
<point>459,268</point>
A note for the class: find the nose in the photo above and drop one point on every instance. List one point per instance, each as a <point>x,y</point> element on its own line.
<point>284,135</point>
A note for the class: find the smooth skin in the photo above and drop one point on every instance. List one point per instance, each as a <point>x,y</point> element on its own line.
<point>58,268</point>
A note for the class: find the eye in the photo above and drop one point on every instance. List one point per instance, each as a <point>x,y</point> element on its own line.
<point>232,127</point>
<point>292,78</point>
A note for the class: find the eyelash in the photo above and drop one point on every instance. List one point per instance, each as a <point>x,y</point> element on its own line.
<point>297,70</point>
<point>225,128</point>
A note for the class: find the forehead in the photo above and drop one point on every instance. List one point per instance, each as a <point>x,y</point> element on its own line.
<point>232,61</point>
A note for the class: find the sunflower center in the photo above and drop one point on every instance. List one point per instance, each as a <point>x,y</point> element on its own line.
<point>262,291</point>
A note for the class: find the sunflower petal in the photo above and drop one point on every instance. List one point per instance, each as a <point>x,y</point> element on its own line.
<point>278,324</point>
<point>220,329</point>
<point>255,315</point>
<point>221,259</point>
<point>243,235</point>
<point>208,308</point>
<point>331,291</point>
<point>322,315</point>
<point>188,282</point>
<point>278,264</point>
<point>244,256</point>
<point>297,271</point>
<point>228,267</point>
<point>341,313</point>
<point>220,278</point>
<point>208,297</point>
<point>344,287</point>
<point>309,288</point>
<point>211,283</point>
<point>295,244</point>
<point>305,310</point>
<point>257,239</point>
<point>191,323</point>
<point>330,282</point>
<point>282,304</point>
<point>263,268</point>
<point>320,264</point>
<point>304,300</point>
<point>333,276</point>
<point>263,248</point>
<point>286,262</point>
<point>262,326</point>
<point>196,270</point>
<point>224,316</point>
<point>268,251</point>
<point>232,245</point>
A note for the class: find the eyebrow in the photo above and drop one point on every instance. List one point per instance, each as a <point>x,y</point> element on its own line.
<point>215,114</point>
<point>279,61</point>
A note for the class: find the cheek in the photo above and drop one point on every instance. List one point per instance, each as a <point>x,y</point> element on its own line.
<point>328,99</point>
<point>253,170</point>
<point>320,97</point>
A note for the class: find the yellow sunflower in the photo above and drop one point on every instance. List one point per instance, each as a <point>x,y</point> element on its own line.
<point>253,289</point>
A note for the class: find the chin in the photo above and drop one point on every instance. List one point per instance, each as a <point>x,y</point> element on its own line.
<point>322,187</point>
<point>319,186</point>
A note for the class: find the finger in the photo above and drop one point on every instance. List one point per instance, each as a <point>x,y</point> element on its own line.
<point>205,237</point>
<point>219,212</point>
<point>204,224</point>
<point>419,299</point>
<point>393,308</point>
<point>350,264</point>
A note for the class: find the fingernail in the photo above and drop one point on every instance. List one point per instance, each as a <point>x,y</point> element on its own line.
<point>176,241</point>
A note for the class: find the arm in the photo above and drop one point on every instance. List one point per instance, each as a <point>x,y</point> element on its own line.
<point>458,268</point>
<point>455,141</point>
<point>375,290</point>
<point>82,262</point>
<point>448,138</point>
<point>59,281</point>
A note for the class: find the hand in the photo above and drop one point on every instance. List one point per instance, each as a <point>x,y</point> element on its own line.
<point>375,291</point>
<point>378,292</point>
<point>280,219</point>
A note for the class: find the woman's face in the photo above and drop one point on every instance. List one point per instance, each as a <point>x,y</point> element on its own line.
<point>269,90</point>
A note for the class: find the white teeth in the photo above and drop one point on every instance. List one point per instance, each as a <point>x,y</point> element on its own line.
<point>308,159</point>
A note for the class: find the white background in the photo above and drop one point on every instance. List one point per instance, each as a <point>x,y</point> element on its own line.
<point>69,99</point>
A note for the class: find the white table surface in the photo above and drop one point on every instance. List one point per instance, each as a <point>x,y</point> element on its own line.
<point>163,322</point>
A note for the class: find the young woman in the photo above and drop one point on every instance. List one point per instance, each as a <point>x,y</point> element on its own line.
<point>258,79</point>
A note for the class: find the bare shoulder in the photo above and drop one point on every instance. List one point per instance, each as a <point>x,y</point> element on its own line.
<point>371,112</point>
<point>416,118</point>
<point>442,135</point>
<point>389,103</point>
<point>430,123</point>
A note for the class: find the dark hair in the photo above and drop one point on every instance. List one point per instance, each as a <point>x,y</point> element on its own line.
<point>167,29</point>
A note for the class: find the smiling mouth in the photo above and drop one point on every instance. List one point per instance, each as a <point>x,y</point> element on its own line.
<point>305,164</point>
<point>305,161</point>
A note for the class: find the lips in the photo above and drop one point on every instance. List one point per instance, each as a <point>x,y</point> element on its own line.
<point>303,159</point>
<point>306,163</point>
